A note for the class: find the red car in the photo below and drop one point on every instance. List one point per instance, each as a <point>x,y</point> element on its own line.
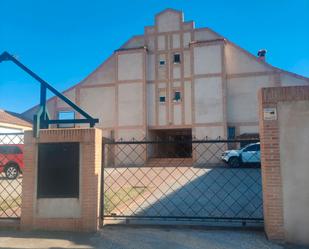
<point>11,159</point>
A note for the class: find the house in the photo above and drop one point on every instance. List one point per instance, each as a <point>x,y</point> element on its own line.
<point>11,122</point>
<point>175,81</point>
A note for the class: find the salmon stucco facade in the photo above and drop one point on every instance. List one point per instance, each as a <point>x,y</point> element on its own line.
<point>175,80</point>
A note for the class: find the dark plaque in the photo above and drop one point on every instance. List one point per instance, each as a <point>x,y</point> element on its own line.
<point>58,170</point>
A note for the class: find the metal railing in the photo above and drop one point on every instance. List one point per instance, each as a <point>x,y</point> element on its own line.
<point>11,167</point>
<point>182,180</point>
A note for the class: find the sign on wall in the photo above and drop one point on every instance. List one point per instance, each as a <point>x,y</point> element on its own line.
<point>270,113</point>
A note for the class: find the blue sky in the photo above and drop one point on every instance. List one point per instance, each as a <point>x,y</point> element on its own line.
<point>64,40</point>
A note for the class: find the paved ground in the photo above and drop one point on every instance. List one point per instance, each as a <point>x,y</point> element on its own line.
<point>183,191</point>
<point>141,238</point>
<point>10,196</point>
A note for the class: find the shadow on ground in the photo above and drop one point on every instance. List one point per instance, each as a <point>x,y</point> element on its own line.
<point>118,237</point>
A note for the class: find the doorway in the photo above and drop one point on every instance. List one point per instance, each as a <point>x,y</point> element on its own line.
<point>172,143</point>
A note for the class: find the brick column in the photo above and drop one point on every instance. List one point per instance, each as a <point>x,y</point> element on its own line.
<point>90,180</point>
<point>270,155</point>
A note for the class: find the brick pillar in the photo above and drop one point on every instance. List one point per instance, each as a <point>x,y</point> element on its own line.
<point>271,175</point>
<point>272,184</point>
<point>88,203</point>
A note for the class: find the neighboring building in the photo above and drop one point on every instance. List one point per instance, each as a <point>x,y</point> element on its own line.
<point>11,122</point>
<point>175,80</point>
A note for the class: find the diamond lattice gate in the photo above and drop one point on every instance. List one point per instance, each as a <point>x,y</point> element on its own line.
<point>153,181</point>
<point>11,168</point>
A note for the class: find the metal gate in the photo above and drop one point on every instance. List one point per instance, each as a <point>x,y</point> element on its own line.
<point>181,180</point>
<point>11,167</point>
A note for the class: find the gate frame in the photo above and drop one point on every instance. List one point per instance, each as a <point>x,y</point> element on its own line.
<point>243,221</point>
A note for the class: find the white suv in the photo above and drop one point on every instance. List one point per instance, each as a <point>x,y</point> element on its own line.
<point>251,153</point>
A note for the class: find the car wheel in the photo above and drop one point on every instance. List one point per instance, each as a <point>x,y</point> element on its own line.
<point>234,162</point>
<point>11,171</point>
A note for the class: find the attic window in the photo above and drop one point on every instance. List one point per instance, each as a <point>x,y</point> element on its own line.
<point>162,62</point>
<point>64,115</point>
<point>176,58</point>
<point>162,99</point>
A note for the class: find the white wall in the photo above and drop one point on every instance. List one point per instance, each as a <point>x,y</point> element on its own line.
<point>242,100</point>
<point>207,59</point>
<point>204,35</point>
<point>237,61</point>
<point>130,66</point>
<point>188,103</point>
<point>151,103</point>
<point>294,158</point>
<point>289,80</point>
<point>104,74</point>
<point>100,103</point>
<point>9,130</point>
<point>130,104</point>
<point>208,100</point>
<point>168,21</point>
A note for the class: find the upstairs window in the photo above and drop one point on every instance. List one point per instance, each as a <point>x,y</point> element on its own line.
<point>62,115</point>
<point>162,62</point>
<point>162,96</point>
<point>176,58</point>
<point>177,96</point>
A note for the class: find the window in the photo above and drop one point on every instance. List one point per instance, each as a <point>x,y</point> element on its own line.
<point>63,115</point>
<point>162,99</point>
<point>177,96</point>
<point>3,150</point>
<point>6,150</point>
<point>176,58</point>
<point>162,95</point>
<point>162,62</point>
<point>254,147</point>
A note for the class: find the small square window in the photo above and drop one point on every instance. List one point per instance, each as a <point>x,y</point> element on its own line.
<point>162,62</point>
<point>176,58</point>
<point>177,96</point>
<point>66,115</point>
<point>162,99</point>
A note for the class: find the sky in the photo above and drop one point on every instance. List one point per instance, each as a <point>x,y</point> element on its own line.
<point>65,40</point>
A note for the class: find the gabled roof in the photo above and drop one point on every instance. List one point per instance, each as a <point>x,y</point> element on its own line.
<point>181,14</point>
<point>8,117</point>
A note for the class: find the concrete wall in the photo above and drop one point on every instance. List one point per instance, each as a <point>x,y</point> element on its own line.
<point>239,61</point>
<point>130,104</point>
<point>207,60</point>
<point>285,159</point>
<point>104,74</point>
<point>130,66</point>
<point>208,100</point>
<point>204,35</point>
<point>242,101</point>
<point>168,21</point>
<point>104,105</point>
<point>294,158</point>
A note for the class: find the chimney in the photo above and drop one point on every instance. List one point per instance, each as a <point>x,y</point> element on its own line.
<point>262,54</point>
